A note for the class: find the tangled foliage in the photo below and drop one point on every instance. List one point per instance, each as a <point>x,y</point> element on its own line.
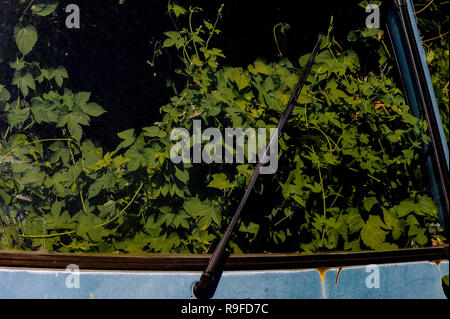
<point>434,26</point>
<point>349,175</point>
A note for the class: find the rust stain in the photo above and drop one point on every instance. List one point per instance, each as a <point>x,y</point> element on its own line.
<point>322,271</point>
<point>337,276</point>
<point>438,263</point>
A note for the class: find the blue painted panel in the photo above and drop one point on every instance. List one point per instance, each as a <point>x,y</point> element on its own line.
<point>421,280</point>
<point>405,280</point>
<point>271,284</point>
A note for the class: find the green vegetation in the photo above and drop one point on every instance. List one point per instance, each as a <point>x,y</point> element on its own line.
<point>349,176</point>
<point>434,25</point>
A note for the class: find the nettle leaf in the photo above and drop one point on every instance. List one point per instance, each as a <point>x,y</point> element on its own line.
<point>354,220</point>
<point>372,234</point>
<point>426,206</point>
<point>26,38</point>
<point>393,223</point>
<point>406,207</point>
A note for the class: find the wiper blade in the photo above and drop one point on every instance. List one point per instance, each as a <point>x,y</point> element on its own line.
<point>203,288</point>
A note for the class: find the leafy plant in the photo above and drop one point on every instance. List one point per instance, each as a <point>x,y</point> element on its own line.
<point>435,27</point>
<point>349,176</point>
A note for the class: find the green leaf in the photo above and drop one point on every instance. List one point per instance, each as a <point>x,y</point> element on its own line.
<point>426,206</point>
<point>96,187</point>
<point>44,8</point>
<point>4,94</point>
<point>259,67</point>
<point>369,202</point>
<point>93,109</point>
<point>196,208</point>
<point>371,234</point>
<point>24,82</point>
<point>81,98</point>
<point>108,209</point>
<point>393,223</point>
<point>73,121</point>
<point>220,181</point>
<point>60,74</point>
<point>127,136</point>
<point>406,207</point>
<point>354,220</point>
<point>240,77</point>
<point>19,116</point>
<point>153,131</point>
<point>182,175</point>
<point>26,38</point>
<point>176,9</point>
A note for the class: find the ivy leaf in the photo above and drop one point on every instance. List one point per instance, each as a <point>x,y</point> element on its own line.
<point>26,38</point>
<point>371,234</point>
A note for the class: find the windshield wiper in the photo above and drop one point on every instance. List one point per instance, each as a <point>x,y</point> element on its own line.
<point>204,288</point>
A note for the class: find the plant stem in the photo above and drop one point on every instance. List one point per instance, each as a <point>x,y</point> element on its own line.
<point>276,40</point>
<point>123,210</point>
<point>38,141</point>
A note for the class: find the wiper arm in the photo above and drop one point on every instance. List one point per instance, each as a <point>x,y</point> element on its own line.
<point>202,288</point>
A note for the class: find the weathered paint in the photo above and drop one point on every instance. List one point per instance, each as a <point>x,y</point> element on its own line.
<point>337,276</point>
<point>402,280</point>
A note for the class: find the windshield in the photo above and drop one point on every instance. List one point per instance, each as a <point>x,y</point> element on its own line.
<point>134,127</point>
